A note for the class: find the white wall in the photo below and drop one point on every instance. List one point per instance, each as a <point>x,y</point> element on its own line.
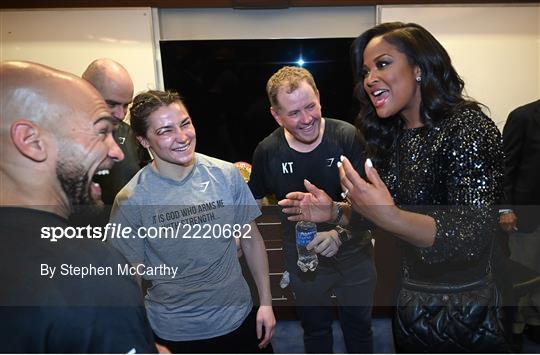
<point>306,22</point>
<point>69,39</point>
<point>496,49</point>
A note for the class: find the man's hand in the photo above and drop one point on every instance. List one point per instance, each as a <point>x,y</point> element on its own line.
<point>266,321</point>
<point>314,205</point>
<point>325,243</point>
<point>508,222</point>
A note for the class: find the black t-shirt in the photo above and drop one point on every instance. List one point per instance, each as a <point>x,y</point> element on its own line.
<point>279,169</point>
<point>135,157</point>
<point>64,313</point>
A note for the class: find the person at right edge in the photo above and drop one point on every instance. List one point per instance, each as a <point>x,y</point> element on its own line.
<point>433,180</point>
<point>521,142</point>
<point>305,150</point>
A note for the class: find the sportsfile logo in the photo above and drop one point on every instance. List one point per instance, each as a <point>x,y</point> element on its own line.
<point>179,231</point>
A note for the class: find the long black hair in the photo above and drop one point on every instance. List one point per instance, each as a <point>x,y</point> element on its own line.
<point>441,87</point>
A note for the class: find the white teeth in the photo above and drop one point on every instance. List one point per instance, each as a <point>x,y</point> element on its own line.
<point>378,92</point>
<point>103,172</point>
<point>182,148</point>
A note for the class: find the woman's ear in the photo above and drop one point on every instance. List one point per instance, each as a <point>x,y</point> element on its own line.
<point>417,72</point>
<point>27,138</point>
<point>143,141</point>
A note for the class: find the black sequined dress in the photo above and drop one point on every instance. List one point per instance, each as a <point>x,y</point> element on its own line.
<point>452,172</point>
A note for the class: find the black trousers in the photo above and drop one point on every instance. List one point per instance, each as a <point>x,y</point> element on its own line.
<point>354,287</point>
<point>242,340</point>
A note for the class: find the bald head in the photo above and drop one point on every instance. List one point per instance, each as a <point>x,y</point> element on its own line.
<point>53,125</point>
<point>39,93</point>
<point>113,83</point>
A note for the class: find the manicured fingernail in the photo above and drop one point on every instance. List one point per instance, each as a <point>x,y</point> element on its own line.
<point>369,163</point>
<point>306,180</point>
<point>338,164</point>
<point>342,158</point>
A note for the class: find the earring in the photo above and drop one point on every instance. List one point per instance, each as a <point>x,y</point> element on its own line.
<point>418,78</point>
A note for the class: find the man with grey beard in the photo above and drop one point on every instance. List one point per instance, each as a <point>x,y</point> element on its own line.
<point>55,135</point>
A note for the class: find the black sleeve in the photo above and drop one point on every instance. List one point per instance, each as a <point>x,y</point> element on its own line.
<point>257,180</point>
<point>514,134</point>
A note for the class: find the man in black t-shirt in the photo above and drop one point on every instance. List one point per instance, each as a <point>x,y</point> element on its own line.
<point>307,146</point>
<point>65,296</point>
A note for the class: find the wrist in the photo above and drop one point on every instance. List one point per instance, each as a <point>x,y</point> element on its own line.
<point>343,234</point>
<point>336,213</point>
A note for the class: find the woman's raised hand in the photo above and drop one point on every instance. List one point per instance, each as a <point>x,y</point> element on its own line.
<point>370,197</point>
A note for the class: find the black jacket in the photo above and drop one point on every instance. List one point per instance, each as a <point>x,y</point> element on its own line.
<point>521,142</point>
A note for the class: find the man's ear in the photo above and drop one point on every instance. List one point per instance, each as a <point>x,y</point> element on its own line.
<point>275,114</point>
<point>144,142</point>
<point>26,137</point>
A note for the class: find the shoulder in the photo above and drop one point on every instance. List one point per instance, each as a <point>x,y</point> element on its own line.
<point>217,168</point>
<point>339,127</point>
<point>131,191</point>
<point>272,140</point>
<point>211,163</point>
<point>525,112</point>
<point>470,121</point>
<point>342,133</point>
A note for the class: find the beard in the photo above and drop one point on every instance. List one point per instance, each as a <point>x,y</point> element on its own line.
<point>73,180</point>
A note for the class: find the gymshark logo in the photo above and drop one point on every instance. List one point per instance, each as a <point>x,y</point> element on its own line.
<point>330,161</point>
<point>121,140</point>
<point>204,186</point>
<point>287,167</point>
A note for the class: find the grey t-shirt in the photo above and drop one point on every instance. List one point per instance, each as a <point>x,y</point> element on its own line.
<point>208,296</point>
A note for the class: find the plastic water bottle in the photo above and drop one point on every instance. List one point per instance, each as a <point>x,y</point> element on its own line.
<point>307,259</point>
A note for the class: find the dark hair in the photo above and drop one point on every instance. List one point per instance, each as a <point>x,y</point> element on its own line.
<point>146,103</point>
<point>441,87</point>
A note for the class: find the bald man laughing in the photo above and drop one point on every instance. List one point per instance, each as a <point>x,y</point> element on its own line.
<point>55,136</point>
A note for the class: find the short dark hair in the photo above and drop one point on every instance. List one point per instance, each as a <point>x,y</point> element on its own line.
<point>146,103</point>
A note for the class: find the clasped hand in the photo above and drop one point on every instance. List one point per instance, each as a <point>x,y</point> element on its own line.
<point>325,243</point>
<point>370,198</point>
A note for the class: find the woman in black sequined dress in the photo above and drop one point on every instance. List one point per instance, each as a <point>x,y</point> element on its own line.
<point>438,155</point>
<point>435,171</point>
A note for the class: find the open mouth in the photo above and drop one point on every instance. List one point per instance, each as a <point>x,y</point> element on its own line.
<point>95,188</point>
<point>379,97</point>
<point>182,148</point>
<point>309,127</point>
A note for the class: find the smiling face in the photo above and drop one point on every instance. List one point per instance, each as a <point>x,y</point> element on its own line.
<point>390,81</point>
<point>170,136</point>
<point>86,147</point>
<point>299,113</point>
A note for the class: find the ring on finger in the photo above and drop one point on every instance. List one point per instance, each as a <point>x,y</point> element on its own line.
<point>344,194</point>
